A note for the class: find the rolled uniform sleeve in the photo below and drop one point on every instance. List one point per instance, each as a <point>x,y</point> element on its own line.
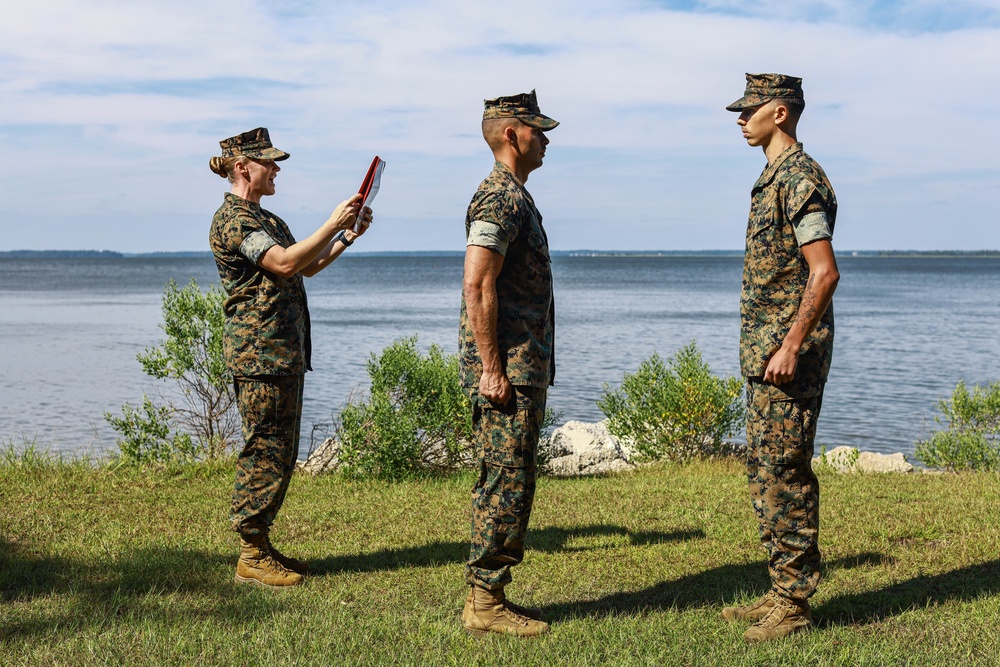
<point>494,210</point>
<point>804,207</point>
<point>812,227</point>
<point>488,235</point>
<point>256,244</point>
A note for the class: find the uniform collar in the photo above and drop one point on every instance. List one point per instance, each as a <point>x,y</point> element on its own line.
<point>236,199</point>
<point>500,166</point>
<point>771,169</point>
<point>508,173</point>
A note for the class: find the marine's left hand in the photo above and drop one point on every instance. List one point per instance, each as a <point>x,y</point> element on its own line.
<point>781,366</point>
<point>365,220</point>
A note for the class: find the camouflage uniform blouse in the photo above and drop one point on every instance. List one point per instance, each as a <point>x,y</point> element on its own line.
<point>525,310</point>
<point>267,318</point>
<point>774,269</point>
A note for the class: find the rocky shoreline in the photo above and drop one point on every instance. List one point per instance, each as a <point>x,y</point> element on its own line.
<point>578,448</point>
<point>581,448</point>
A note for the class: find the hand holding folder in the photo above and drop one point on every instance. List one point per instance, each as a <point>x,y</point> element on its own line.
<point>369,188</point>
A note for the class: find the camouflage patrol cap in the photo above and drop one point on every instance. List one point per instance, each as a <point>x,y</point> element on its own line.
<point>524,107</point>
<point>254,144</point>
<point>763,88</point>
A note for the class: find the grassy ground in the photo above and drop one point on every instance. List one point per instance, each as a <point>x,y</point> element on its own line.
<point>102,567</point>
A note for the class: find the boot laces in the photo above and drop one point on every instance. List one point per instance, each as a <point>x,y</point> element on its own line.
<point>778,613</point>
<point>514,616</point>
<point>761,602</point>
<point>265,558</point>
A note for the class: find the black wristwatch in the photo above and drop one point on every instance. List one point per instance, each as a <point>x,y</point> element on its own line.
<point>342,238</point>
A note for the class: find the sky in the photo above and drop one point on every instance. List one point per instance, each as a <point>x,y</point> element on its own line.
<point>110,111</point>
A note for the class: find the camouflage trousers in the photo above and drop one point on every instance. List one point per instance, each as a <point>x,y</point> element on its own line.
<point>271,408</point>
<point>506,440</point>
<point>781,430</point>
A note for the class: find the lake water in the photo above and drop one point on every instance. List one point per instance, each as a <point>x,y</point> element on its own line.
<point>908,329</point>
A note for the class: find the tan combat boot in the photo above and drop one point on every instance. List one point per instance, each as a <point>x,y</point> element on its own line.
<point>257,566</point>
<point>753,612</point>
<point>784,618</point>
<point>531,612</point>
<point>289,563</point>
<point>486,612</point>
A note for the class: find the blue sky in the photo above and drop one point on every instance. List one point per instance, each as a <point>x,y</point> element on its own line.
<point>111,111</point>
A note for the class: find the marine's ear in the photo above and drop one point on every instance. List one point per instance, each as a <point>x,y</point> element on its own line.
<point>510,134</point>
<point>781,114</point>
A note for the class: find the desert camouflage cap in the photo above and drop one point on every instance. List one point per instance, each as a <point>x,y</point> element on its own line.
<point>255,143</point>
<point>763,88</point>
<point>524,107</point>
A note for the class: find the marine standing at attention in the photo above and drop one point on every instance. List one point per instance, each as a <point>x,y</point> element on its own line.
<point>506,358</point>
<point>786,343</point>
<point>267,344</point>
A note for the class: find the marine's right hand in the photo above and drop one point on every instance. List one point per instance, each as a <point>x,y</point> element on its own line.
<point>346,214</point>
<point>496,387</point>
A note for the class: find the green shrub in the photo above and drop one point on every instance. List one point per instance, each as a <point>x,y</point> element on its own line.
<point>416,419</point>
<point>145,437</point>
<point>202,401</point>
<point>676,410</point>
<point>970,441</point>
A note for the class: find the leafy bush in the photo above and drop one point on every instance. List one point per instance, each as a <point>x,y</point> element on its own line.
<point>145,436</point>
<point>203,402</point>
<point>417,418</point>
<point>675,410</point>
<point>970,441</point>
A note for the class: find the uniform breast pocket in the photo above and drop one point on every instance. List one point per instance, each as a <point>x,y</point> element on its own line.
<point>761,225</point>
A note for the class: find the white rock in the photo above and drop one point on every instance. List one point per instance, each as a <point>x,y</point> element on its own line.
<point>579,448</point>
<point>872,462</point>
<point>322,459</point>
<point>841,459</point>
<point>849,459</point>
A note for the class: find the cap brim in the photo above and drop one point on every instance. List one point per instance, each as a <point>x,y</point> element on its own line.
<point>273,154</point>
<point>538,121</point>
<point>738,105</point>
<point>751,100</point>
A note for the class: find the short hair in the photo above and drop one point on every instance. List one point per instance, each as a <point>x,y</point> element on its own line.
<point>493,129</point>
<point>223,166</point>
<point>795,106</point>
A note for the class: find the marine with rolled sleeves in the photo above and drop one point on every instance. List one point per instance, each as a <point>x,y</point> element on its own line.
<point>267,344</point>
<point>506,358</point>
<point>786,343</point>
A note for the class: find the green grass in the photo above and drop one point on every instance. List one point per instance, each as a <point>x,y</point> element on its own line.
<point>119,567</point>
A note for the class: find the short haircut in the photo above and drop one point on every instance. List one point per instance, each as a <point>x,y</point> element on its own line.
<point>493,129</point>
<point>795,106</point>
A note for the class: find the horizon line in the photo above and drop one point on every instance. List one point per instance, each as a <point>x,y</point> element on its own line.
<point>582,252</point>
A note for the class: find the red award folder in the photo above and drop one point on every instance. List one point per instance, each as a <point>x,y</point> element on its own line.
<point>369,188</point>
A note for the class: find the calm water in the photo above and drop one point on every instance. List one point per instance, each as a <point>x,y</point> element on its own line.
<point>908,329</point>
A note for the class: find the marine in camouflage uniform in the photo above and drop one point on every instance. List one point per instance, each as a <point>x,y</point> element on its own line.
<point>267,343</point>
<point>267,349</point>
<point>786,343</point>
<point>506,357</point>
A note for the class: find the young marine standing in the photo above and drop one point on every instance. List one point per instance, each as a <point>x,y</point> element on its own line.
<point>506,342</point>
<point>786,343</point>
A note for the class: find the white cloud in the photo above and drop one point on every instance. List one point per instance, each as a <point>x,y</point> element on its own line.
<point>114,109</point>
